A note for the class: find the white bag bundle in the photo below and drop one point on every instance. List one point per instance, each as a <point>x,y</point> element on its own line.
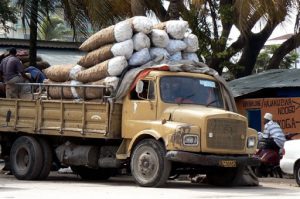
<point>192,43</point>
<point>139,58</point>
<point>159,38</point>
<point>111,81</point>
<point>140,41</point>
<point>73,72</point>
<point>176,56</point>
<point>142,24</point>
<point>124,48</point>
<point>177,28</point>
<point>111,67</point>
<point>190,56</point>
<point>157,52</point>
<point>175,46</point>
<point>122,31</point>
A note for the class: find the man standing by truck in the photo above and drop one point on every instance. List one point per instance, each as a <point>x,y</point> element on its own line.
<point>12,71</point>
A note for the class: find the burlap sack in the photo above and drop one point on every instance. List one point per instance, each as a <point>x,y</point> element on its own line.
<point>58,73</point>
<point>25,58</point>
<point>192,43</point>
<point>57,92</point>
<point>95,73</point>
<point>117,33</point>
<point>94,93</point>
<point>96,56</point>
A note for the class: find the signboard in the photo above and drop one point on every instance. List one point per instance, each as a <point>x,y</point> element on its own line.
<point>286,111</point>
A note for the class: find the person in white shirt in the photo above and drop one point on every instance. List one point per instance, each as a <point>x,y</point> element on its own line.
<point>272,130</point>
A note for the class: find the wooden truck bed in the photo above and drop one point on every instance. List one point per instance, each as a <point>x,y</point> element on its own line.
<point>90,119</point>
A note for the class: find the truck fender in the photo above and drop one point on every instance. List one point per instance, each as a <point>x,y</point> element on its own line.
<point>141,135</point>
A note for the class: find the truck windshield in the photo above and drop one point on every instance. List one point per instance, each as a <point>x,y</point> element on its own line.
<point>188,90</point>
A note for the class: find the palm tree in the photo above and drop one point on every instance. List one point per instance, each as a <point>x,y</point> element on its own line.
<point>53,28</point>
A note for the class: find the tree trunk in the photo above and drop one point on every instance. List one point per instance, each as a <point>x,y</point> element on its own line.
<point>33,32</point>
<point>285,48</point>
<point>254,43</point>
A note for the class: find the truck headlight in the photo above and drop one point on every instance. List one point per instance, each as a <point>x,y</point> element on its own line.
<point>251,141</point>
<point>190,140</point>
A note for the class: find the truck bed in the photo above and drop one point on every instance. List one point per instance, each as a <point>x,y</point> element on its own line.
<point>90,119</point>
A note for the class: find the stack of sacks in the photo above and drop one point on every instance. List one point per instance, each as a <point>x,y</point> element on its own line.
<point>66,75</point>
<point>132,42</point>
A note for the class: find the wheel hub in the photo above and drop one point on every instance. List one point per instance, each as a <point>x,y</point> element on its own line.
<point>146,165</point>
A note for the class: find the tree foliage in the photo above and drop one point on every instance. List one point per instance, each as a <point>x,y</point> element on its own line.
<point>7,14</point>
<point>264,57</point>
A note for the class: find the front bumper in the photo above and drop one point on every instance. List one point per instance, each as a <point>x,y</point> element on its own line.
<point>211,160</point>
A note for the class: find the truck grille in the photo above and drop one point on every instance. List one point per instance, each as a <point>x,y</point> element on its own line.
<point>226,134</point>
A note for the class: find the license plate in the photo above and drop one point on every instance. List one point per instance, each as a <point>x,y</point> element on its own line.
<point>227,163</point>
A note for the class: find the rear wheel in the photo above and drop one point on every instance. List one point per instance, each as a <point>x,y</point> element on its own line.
<point>297,173</point>
<point>26,158</point>
<point>47,159</point>
<point>149,166</point>
<point>92,174</point>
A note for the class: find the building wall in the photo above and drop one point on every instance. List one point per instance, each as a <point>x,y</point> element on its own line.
<point>286,111</point>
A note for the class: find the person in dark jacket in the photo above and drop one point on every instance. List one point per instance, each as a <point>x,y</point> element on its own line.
<point>12,72</point>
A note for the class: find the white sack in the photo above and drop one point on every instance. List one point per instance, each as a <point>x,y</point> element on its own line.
<point>157,52</point>
<point>190,56</point>
<point>175,46</point>
<point>76,69</point>
<point>111,81</point>
<point>176,56</point>
<point>192,43</point>
<point>177,28</point>
<point>123,31</point>
<point>139,58</point>
<point>159,38</point>
<point>140,41</point>
<point>124,48</point>
<point>116,65</point>
<point>142,24</point>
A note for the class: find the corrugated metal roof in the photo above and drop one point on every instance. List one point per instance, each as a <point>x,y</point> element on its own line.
<point>276,78</point>
<point>56,56</point>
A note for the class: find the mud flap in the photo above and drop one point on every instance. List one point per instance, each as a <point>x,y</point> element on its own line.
<point>246,177</point>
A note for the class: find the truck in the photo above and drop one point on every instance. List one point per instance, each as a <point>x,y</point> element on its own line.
<point>159,124</point>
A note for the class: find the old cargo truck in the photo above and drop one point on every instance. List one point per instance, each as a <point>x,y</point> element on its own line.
<point>163,124</point>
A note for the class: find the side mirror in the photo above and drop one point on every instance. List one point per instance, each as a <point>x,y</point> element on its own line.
<point>139,86</point>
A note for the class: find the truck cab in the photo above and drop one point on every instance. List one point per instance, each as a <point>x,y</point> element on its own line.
<point>186,113</point>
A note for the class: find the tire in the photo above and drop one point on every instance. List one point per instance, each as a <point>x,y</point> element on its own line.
<point>297,173</point>
<point>47,159</point>
<point>26,158</point>
<point>224,177</point>
<point>149,167</point>
<point>92,174</point>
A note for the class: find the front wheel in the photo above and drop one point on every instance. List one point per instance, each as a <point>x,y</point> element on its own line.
<point>297,173</point>
<point>149,166</point>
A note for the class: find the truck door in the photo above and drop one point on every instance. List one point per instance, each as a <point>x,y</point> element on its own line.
<point>139,109</point>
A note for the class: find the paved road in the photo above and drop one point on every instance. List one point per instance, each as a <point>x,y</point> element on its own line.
<point>70,186</point>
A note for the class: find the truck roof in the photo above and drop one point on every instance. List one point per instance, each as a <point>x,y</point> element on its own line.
<point>158,73</point>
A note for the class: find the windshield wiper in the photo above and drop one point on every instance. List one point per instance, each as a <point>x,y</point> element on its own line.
<point>211,102</point>
<point>185,98</point>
